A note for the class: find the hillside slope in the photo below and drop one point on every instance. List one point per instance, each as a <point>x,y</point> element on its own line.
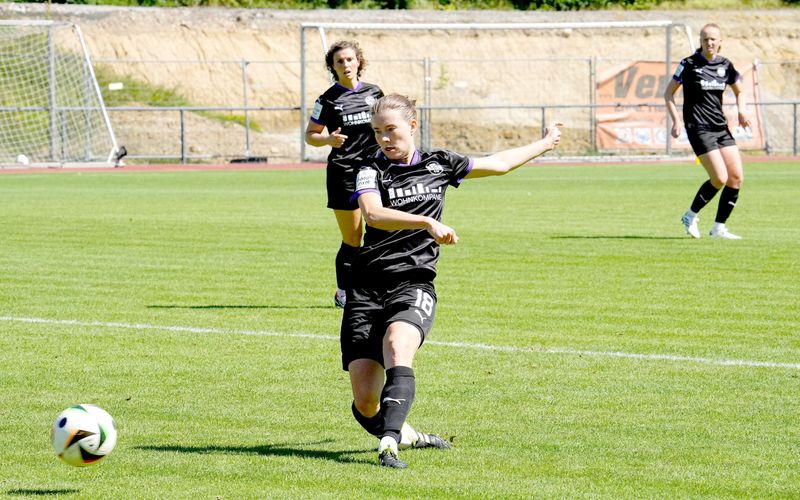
<point>470,67</point>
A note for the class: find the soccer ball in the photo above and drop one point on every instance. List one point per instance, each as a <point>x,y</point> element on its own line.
<point>83,435</point>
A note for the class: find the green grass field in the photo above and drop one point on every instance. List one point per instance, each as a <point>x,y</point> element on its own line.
<point>584,346</point>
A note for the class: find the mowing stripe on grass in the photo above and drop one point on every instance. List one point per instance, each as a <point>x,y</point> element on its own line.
<point>464,345</point>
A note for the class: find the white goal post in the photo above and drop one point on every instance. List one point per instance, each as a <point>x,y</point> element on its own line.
<point>385,34</point>
<point>51,110</point>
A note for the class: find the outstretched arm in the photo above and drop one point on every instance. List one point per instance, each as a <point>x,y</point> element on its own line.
<point>388,219</point>
<point>505,161</point>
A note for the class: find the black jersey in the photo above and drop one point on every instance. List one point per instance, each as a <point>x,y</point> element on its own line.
<point>417,188</point>
<point>348,109</point>
<point>704,83</point>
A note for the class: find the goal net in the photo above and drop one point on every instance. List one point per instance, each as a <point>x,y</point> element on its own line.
<point>51,109</point>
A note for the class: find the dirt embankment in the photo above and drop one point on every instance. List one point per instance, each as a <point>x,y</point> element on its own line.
<point>467,67</point>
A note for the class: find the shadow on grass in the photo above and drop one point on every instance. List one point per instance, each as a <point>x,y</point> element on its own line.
<point>617,237</point>
<point>342,456</point>
<point>36,492</point>
<point>233,306</point>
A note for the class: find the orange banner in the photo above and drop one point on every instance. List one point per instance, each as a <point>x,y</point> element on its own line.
<point>631,112</point>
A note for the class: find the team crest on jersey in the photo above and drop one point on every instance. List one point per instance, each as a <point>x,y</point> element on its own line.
<point>720,71</point>
<point>434,168</point>
<point>370,100</point>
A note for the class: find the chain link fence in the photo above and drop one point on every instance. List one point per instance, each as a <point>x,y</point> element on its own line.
<point>220,111</point>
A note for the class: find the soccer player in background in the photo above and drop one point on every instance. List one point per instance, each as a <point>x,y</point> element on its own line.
<point>340,119</point>
<point>704,76</point>
<point>392,304</point>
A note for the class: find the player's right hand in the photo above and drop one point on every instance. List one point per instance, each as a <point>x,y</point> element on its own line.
<point>336,139</point>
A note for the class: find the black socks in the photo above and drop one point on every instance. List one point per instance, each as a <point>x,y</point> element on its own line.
<point>344,260</point>
<point>396,399</point>
<point>373,424</point>
<point>727,201</point>
<point>705,194</point>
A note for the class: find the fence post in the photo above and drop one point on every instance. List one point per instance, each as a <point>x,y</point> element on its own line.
<point>303,112</point>
<point>668,65</point>
<point>794,129</point>
<point>426,113</point>
<point>544,125</point>
<point>52,101</point>
<point>593,103</point>
<point>246,110</point>
<point>183,138</point>
<point>62,134</point>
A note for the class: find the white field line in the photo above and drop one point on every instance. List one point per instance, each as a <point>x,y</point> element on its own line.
<point>464,345</point>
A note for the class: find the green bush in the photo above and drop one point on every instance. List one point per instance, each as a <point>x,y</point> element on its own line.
<point>582,4</point>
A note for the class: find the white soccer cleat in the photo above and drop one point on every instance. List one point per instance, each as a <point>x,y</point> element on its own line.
<point>719,230</point>
<point>690,220</point>
<point>340,298</point>
<point>410,438</point>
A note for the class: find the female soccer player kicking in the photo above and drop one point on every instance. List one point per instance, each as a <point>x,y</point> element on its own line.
<point>392,304</point>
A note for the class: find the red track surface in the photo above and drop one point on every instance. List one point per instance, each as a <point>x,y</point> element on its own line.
<point>167,168</point>
<point>310,166</point>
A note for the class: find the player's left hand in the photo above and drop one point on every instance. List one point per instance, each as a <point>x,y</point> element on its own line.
<point>744,121</point>
<point>337,138</point>
<point>442,234</point>
<point>553,132</point>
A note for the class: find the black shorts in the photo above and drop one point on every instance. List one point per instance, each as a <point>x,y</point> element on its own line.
<point>370,310</point>
<point>341,184</point>
<point>703,141</point>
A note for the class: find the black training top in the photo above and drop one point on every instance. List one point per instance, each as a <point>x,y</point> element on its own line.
<point>348,109</point>
<point>704,83</point>
<point>417,188</point>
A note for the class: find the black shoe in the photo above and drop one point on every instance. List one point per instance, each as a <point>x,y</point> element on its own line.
<point>388,458</point>
<point>430,441</point>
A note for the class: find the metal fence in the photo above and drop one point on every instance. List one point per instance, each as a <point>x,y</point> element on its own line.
<point>218,111</point>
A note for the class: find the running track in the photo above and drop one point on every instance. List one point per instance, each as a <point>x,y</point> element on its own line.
<point>313,166</point>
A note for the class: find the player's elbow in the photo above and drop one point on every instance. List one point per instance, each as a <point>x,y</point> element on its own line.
<point>371,218</point>
<point>495,166</point>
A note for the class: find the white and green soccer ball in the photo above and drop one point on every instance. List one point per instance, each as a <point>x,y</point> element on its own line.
<point>83,435</point>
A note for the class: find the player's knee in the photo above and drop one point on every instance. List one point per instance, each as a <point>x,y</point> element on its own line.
<point>400,349</point>
<point>352,236</point>
<point>719,180</point>
<point>352,239</point>
<point>367,406</point>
